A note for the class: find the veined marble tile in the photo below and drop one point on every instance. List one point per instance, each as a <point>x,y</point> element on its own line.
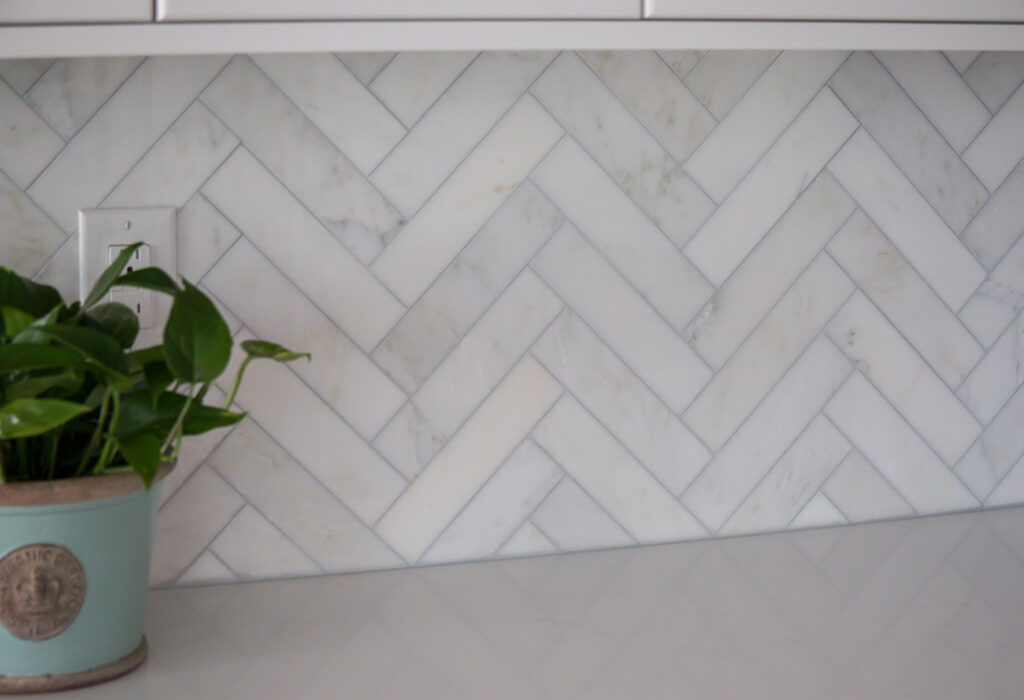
<point>297,503</point>
<point>997,375</point>
<point>962,60</point>
<point>28,238</point>
<point>1000,223</point>
<point>789,487</point>
<point>611,476</point>
<point>766,111</point>
<point>602,212</point>
<point>764,357</point>
<point>366,65</point>
<point>995,75</point>
<point>892,201</point>
<point>340,106</point>
<point>61,270</point>
<point>771,187</point>
<point>254,549</point>
<point>682,61</point>
<point>723,77</point>
<point>621,401</point>
<point>454,126</point>
<point>27,143</point>
<point>480,185</point>
<point>204,235</point>
<point>414,80</point>
<point>527,541</point>
<point>624,148</point>
<point>120,133</point>
<point>819,512</point>
<point>999,447</point>
<point>617,312</point>
<point>906,300</point>
<point>767,434</point>
<point>572,520</point>
<point>938,90</point>
<point>315,436</point>
<point>1000,146</point>
<point>305,160</point>
<point>1011,489</point>
<point>22,73</point>
<point>901,375</point>
<point>476,365</point>
<point>205,570</point>
<point>71,91</point>
<point>997,301</point>
<point>862,494</point>
<point>177,164</point>
<point>653,93</point>
<point>284,231</point>
<point>907,137</point>
<point>467,287</point>
<point>891,445</point>
<point>497,513</point>
<point>272,307</point>
<point>469,459</point>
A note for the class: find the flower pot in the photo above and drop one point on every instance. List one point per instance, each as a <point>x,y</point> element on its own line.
<point>74,569</point>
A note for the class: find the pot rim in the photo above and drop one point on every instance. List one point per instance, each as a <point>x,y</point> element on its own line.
<point>82,489</point>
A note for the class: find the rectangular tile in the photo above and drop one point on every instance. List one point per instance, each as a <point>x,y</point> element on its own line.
<point>764,357</point>
<point>254,549</point>
<point>527,541</point>
<point>61,270</point>
<point>997,301</point>
<point>623,319</point>
<point>27,236</point>
<point>480,185</point>
<point>862,494</point>
<point>22,73</point>
<point>723,77</point>
<point>771,187</point>
<point>204,235</point>
<point>27,143</point>
<point>366,65</point>
<point>819,512</point>
<point>414,80</point>
<point>999,447</point>
<point>574,521</point>
<point>602,212</point>
<point>611,476</point>
<point>1000,146</point>
<point>1010,490</point>
<point>255,202</point>
<point>998,225</point>
<point>469,459</point>
<point>994,75</point>
<point>997,375</point>
<point>961,60</point>
<point>624,148</point>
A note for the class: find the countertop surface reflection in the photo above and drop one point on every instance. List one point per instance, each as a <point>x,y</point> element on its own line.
<point>926,608</point>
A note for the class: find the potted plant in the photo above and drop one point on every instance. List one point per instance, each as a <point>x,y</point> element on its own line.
<point>88,427</point>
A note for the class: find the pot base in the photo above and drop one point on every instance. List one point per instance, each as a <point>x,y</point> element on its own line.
<point>66,681</point>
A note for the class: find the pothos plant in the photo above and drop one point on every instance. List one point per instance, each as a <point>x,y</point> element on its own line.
<point>76,400</point>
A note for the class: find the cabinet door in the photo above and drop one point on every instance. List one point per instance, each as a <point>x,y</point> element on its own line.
<point>242,10</point>
<point>65,11</point>
<point>886,10</point>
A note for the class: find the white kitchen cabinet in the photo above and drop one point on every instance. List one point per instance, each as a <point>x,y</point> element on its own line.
<point>75,11</point>
<point>859,10</point>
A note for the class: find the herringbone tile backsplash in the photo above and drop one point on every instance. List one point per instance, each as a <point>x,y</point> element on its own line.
<point>560,301</point>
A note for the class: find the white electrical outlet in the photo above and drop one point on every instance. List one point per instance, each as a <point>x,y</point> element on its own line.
<point>104,233</point>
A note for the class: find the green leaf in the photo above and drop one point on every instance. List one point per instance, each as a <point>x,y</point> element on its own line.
<point>28,417</point>
<point>143,454</point>
<point>197,343</point>
<point>149,278</point>
<point>158,378</point>
<point>201,419</point>
<point>106,280</point>
<point>100,350</point>
<point>33,386</point>
<point>137,359</point>
<point>273,351</point>
<point>25,358</point>
<point>117,321</point>
<point>15,320</point>
<point>139,415</point>
<point>24,294</point>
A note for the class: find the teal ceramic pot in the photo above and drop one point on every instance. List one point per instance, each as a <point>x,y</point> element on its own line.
<point>74,569</point>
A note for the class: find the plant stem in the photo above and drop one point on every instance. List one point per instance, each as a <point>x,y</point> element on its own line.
<point>238,381</point>
<point>110,441</point>
<point>179,421</point>
<point>87,454</point>
<point>54,442</point>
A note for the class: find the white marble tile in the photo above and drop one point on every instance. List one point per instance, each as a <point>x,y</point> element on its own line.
<point>999,447</point>
<point>770,187</point>
<point>681,61</point>
<point>787,490</point>
<point>613,309</point>
<point>177,164</point>
<point>1010,490</point>
<point>204,235</point>
<point>479,186</point>
<point>469,459</point>
<point>936,87</point>
<point>767,434</point>
<point>120,133</point>
<point>337,103</point>
<point>207,569</point>
<point>623,147</point>
<point>862,494</point>
<point>891,445</point>
<point>284,231</point>
<point>723,77</point>
<point>27,143</point>
<point>910,140</point>
<point>899,210</point>
<point>61,270</point>
<point>654,95</point>
<point>962,60</point>
<point>527,541</point>
<point>906,300</point>
<point>998,299</point>
<point>253,548</point>
<point>763,277</point>
<point>27,236</point>
<point>272,307</point>
<point>499,511</point>
<point>414,80</point>
<point>997,375</point>
<point>454,126</point>
<point>621,401</point>
<point>297,504</point>
<point>477,364</point>
<point>467,287</point>
<point>904,378</point>
<point>1000,146</point>
<point>995,75</point>
<point>572,520</point>
<point>601,211</point>
<point>22,73</point>
<point>1000,223</point>
<point>72,89</point>
<point>306,162</point>
<point>315,436</point>
<point>819,512</point>
<point>366,65</point>
<point>757,120</point>
<point>771,348</point>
